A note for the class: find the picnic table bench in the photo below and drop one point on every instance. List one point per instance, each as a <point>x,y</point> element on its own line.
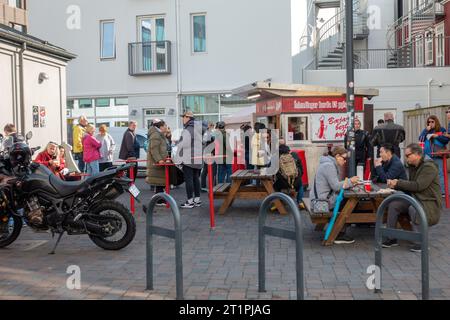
<point>361,207</point>
<point>239,189</point>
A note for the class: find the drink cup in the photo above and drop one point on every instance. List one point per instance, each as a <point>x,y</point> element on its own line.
<point>368,186</point>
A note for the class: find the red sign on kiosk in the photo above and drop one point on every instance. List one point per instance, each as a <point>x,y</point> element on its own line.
<point>306,105</point>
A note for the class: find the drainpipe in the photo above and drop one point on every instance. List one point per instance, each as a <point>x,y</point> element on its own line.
<point>178,99</point>
<point>429,92</point>
<point>22,88</point>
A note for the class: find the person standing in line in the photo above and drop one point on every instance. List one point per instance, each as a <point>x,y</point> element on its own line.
<point>189,149</point>
<point>78,133</point>
<point>129,148</point>
<point>389,132</point>
<point>435,140</point>
<point>208,139</point>
<point>224,168</point>
<point>107,149</point>
<point>91,151</point>
<point>363,147</point>
<point>157,154</point>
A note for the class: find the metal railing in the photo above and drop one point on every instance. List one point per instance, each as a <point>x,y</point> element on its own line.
<point>145,58</point>
<point>421,236</point>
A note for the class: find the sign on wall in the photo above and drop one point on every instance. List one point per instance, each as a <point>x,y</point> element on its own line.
<point>42,117</point>
<point>35,117</point>
<point>331,127</point>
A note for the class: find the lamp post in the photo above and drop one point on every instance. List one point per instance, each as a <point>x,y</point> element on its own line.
<point>350,84</point>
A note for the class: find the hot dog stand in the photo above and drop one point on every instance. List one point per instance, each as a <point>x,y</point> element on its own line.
<point>308,117</point>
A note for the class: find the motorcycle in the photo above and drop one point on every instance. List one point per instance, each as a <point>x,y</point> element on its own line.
<point>31,193</point>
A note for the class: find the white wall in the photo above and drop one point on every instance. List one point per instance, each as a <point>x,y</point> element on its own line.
<point>6,88</point>
<point>385,8</point>
<point>246,41</point>
<point>400,89</point>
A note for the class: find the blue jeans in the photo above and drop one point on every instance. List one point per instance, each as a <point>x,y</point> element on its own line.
<point>224,170</point>
<point>92,168</point>
<point>300,194</point>
<point>440,164</point>
<point>79,158</point>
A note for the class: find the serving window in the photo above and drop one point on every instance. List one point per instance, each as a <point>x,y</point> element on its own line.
<point>297,128</point>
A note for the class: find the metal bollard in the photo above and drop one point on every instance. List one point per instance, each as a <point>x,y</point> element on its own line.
<point>163,232</point>
<point>421,236</point>
<point>280,233</point>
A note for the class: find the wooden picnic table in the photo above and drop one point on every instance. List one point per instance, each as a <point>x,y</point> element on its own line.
<point>361,207</point>
<point>238,190</point>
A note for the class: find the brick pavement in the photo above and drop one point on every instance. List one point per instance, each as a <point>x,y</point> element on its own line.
<point>222,264</point>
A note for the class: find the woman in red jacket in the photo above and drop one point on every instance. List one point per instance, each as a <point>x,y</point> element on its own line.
<point>49,158</point>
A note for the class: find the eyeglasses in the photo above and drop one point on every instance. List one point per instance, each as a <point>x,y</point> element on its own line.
<point>343,158</point>
<point>407,155</point>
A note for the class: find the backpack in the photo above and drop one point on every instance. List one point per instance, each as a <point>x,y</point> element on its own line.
<point>288,168</point>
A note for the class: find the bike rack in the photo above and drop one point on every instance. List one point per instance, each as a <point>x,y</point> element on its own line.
<point>421,236</point>
<point>167,233</point>
<point>296,235</point>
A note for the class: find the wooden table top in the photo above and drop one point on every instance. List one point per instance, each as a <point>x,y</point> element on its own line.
<point>359,192</point>
<point>250,175</point>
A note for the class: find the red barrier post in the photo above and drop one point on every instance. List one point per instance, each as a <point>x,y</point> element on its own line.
<point>167,183</point>
<point>444,159</point>
<point>132,208</point>
<point>211,195</point>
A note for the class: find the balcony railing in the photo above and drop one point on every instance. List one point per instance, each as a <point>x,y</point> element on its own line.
<point>147,58</point>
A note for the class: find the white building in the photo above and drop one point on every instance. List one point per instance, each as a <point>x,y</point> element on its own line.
<point>32,78</point>
<point>167,56</point>
<point>401,48</point>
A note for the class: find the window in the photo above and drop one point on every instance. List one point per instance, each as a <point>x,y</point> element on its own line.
<point>18,27</point>
<point>199,33</point>
<point>121,101</point>
<point>419,51</point>
<point>201,104</point>
<point>121,124</point>
<point>102,102</point>
<point>107,40</point>
<point>297,129</point>
<point>429,53</point>
<point>70,104</point>
<point>151,29</point>
<point>153,112</point>
<point>98,124</point>
<point>85,103</point>
<point>440,46</point>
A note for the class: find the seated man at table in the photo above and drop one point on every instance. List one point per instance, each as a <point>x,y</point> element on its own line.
<point>327,185</point>
<point>389,166</point>
<point>423,185</point>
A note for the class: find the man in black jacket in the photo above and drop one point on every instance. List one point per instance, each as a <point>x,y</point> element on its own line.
<point>389,166</point>
<point>363,147</point>
<point>389,132</point>
<point>129,148</point>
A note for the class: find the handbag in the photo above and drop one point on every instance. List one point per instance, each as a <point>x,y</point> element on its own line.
<point>320,205</point>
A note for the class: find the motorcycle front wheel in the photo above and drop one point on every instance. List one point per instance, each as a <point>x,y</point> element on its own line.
<point>10,230</point>
<point>122,237</point>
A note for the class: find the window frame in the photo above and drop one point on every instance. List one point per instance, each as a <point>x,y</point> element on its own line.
<point>114,56</point>
<point>307,125</point>
<point>440,34</point>
<point>419,48</point>
<point>99,106</point>
<point>120,104</point>
<point>79,103</point>
<point>429,40</point>
<point>193,15</point>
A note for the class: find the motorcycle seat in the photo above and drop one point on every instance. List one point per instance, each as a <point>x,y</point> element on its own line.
<point>67,188</point>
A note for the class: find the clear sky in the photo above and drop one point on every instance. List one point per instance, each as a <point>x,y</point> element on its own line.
<point>298,22</point>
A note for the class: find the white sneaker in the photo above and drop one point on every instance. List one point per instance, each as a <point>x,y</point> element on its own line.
<point>188,205</point>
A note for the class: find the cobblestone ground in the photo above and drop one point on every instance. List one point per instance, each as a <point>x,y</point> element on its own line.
<point>220,264</point>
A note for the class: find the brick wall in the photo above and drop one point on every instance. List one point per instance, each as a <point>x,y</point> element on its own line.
<point>12,15</point>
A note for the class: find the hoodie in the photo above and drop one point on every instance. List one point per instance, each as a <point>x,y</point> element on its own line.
<point>327,181</point>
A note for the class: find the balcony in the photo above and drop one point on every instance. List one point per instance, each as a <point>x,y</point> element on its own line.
<point>149,58</point>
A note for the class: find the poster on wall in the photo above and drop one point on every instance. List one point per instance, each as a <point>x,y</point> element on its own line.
<point>35,117</point>
<point>42,117</point>
<point>331,127</point>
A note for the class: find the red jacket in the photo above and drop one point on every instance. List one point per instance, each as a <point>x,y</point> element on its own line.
<point>44,158</point>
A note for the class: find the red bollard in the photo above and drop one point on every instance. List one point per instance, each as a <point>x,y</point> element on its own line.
<point>167,183</point>
<point>211,196</point>
<point>444,159</point>
<point>132,208</point>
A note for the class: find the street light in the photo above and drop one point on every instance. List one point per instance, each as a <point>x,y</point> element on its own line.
<point>350,84</point>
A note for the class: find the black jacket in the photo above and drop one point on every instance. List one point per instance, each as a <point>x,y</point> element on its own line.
<point>393,169</point>
<point>389,132</point>
<point>363,147</point>
<point>129,147</point>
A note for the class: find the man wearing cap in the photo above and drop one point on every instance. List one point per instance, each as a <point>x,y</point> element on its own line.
<point>189,154</point>
<point>389,132</point>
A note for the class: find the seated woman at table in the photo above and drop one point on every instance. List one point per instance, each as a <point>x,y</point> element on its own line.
<point>327,185</point>
<point>281,181</point>
<point>389,166</point>
<point>157,154</point>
